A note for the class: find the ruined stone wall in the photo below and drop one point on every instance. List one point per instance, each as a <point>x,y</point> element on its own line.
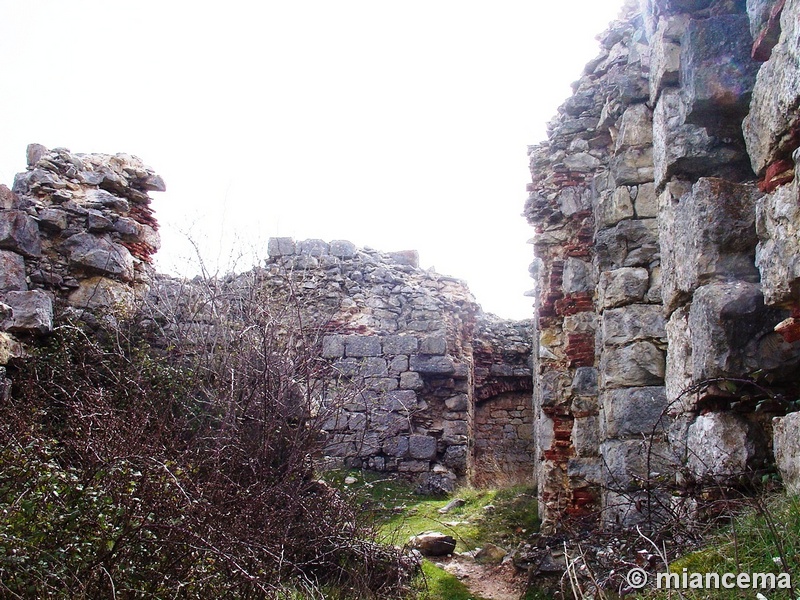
<point>76,233</point>
<point>665,247</point>
<point>430,362</point>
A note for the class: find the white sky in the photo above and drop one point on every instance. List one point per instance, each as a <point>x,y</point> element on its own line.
<point>395,125</point>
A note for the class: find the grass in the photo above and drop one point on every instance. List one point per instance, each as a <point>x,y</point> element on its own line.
<point>502,517</point>
<point>757,541</point>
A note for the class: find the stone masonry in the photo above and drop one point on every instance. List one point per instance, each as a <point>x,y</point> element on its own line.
<point>76,233</point>
<point>665,209</point>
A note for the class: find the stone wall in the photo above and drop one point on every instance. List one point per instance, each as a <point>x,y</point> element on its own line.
<point>428,360</point>
<point>666,257</point>
<point>76,233</point>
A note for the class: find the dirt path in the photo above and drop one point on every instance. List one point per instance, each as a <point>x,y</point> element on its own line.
<point>492,582</point>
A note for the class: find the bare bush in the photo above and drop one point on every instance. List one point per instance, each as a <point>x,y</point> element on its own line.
<point>171,455</point>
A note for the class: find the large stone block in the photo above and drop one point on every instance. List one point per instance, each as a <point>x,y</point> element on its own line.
<point>20,233</point>
<point>770,128</point>
<point>665,54</point>
<point>722,446</point>
<point>629,244</point>
<point>778,250</point>
<point>12,272</point>
<point>786,446</point>
<point>629,462</point>
<point>31,312</point>
<point>421,447</point>
<point>400,344</point>
<point>732,332</point>
<point>687,150</point>
<point>632,166</point>
<point>633,323</point>
<point>578,276</point>
<point>434,365</point>
<point>358,346</point>
<point>622,286</point>
<point>708,234</point>
<point>717,73</point>
<point>280,247</point>
<point>639,364</point>
<point>613,207</point>
<point>634,412</point>
<point>102,293</point>
<point>99,253</point>
<point>679,369</point>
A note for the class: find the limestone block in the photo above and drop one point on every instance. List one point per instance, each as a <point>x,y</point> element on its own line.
<point>12,272</point>
<point>435,365</point>
<point>665,54</point>
<point>398,365</point>
<point>636,128</point>
<point>585,382</point>
<point>413,466</point>
<point>342,249</point>
<point>717,73</point>
<point>402,401</point>
<point>362,345</point>
<point>313,248</point>
<point>99,253</point>
<point>629,244</point>
<point>732,332</point>
<point>10,348</point>
<point>333,346</point>
<point>613,207</point>
<point>633,323</point>
<point>586,470</point>
<point>396,446</point>
<point>53,219</point>
<point>31,312</point>
<point>582,162</point>
<point>758,11</point>
<point>8,199</point>
<point>433,543</point>
<point>411,381</point>
<point>373,366</point>
<point>20,233</point>
<point>786,446</point>
<point>708,235</point>
<point>455,457</point>
<point>771,125</point>
<point>634,411</point>
<point>778,250</point>
<point>720,446</point>
<point>629,461</point>
<point>381,384</point>
<point>283,246</point>
<point>455,432</point>
<point>102,293</point>
<point>421,447</point>
<point>645,201</point>
<point>578,276</point>
<point>368,444</point>
<point>433,344</point>
<point>457,403</point>
<point>400,344</point>
<point>622,286</point>
<point>632,166</point>
<point>585,436</point>
<point>639,364</point>
<point>679,370</point>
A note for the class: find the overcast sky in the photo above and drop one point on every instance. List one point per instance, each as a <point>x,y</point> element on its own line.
<point>396,125</point>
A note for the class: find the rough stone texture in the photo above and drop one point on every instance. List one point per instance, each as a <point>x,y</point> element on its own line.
<point>433,543</point>
<point>786,446</point>
<point>708,234</point>
<point>720,446</point>
<point>716,71</point>
<point>12,272</point>
<point>668,212</point>
<point>771,127</point>
<point>31,311</point>
<point>778,250</point>
<point>20,233</point>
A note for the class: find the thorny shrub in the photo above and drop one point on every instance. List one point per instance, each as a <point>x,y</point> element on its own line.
<point>141,461</point>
